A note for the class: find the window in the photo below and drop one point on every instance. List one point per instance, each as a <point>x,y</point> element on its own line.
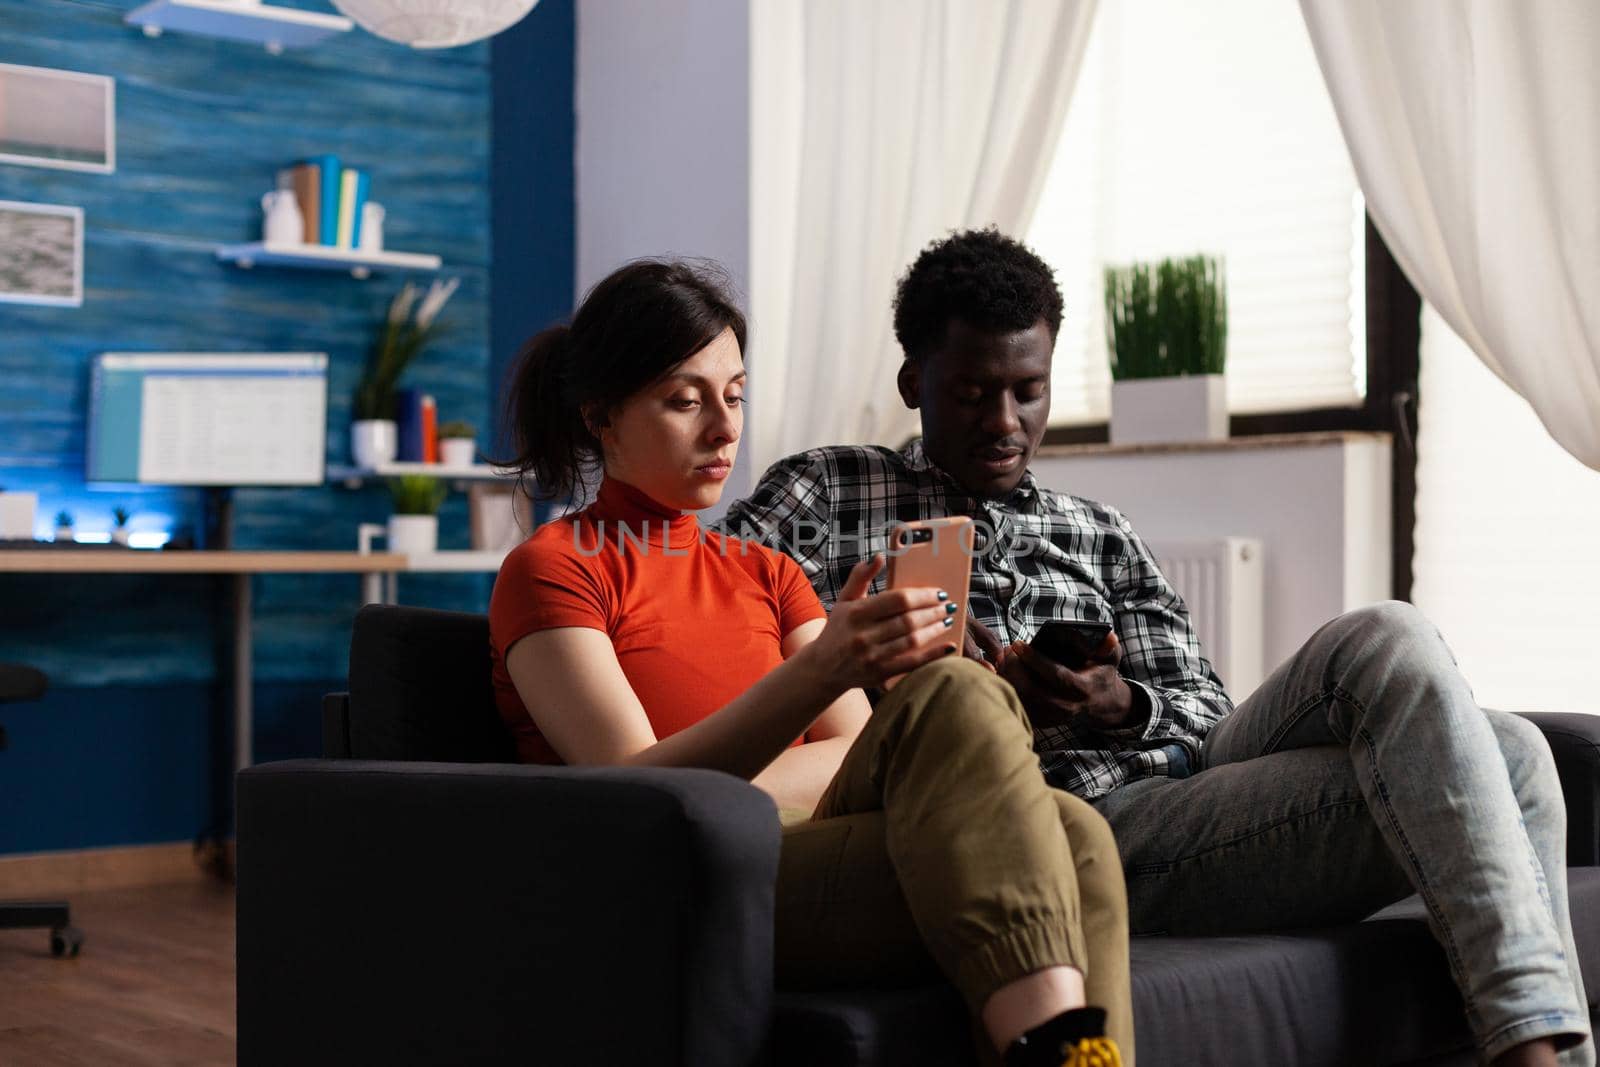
<point>1207,128</point>
<point>1505,560</point>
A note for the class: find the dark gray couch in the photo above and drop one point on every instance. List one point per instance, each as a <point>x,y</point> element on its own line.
<point>425,902</point>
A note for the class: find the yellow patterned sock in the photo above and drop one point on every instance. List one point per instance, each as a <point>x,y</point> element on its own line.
<point>1092,1052</point>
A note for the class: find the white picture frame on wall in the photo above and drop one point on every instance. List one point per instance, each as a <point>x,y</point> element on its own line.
<point>41,254</point>
<point>58,118</point>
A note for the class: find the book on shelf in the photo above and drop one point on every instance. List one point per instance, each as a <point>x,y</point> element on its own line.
<point>305,178</point>
<point>352,197</point>
<point>430,429</point>
<point>362,186</point>
<point>328,184</point>
<point>408,425</point>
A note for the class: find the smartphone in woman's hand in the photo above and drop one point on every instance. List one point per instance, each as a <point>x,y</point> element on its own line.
<point>937,554</point>
<point>934,554</point>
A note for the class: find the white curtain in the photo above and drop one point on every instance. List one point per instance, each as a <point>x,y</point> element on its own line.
<point>1505,561</point>
<point>1474,126</point>
<point>876,128</point>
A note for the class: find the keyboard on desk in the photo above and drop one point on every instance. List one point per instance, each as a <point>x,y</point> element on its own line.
<point>9,543</point>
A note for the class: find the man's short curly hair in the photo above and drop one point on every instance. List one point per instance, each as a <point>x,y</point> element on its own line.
<point>986,279</point>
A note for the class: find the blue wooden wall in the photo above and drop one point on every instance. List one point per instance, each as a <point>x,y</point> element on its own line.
<point>531,182</point>
<point>202,126</point>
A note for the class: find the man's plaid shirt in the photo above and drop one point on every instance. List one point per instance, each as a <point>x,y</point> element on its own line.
<point>1041,555</point>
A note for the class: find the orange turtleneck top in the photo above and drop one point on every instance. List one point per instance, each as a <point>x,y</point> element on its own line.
<point>696,618</point>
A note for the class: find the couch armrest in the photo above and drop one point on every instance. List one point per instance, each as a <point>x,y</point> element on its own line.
<point>423,913</point>
<point>1575,741</point>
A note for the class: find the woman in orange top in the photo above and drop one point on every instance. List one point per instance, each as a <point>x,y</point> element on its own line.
<point>626,635</point>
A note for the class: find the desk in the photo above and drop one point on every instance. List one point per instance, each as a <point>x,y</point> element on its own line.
<point>241,564</point>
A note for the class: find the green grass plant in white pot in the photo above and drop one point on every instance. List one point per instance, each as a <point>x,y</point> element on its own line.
<point>1167,334</point>
<point>414,525</point>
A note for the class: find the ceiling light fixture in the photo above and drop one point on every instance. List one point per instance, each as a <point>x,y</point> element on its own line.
<point>435,23</point>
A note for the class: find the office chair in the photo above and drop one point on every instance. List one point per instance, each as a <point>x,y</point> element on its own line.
<point>18,683</point>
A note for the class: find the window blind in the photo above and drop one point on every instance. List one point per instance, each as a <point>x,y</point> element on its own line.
<point>1505,562</point>
<point>1207,128</point>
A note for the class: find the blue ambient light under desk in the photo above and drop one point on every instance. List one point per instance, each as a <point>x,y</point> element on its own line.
<point>203,418</point>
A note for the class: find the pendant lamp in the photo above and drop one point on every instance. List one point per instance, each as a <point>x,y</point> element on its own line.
<point>435,23</point>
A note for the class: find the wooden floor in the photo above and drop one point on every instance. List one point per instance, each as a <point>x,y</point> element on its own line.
<point>153,985</point>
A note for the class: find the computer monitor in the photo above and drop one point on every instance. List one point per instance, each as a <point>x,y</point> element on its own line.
<point>205,418</point>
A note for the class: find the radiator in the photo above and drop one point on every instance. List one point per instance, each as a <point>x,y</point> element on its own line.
<point>1220,580</point>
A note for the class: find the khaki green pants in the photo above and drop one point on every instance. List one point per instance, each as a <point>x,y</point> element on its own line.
<point>938,847</point>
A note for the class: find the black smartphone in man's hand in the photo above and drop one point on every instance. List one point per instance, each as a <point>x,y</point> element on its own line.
<point>1070,643</point>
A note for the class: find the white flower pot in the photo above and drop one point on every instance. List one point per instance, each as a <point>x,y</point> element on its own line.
<point>119,535</point>
<point>458,451</point>
<point>1166,410</point>
<point>413,535</point>
<point>373,442</point>
<point>64,533</point>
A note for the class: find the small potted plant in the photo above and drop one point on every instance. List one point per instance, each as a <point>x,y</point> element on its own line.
<point>1167,332</point>
<point>119,532</point>
<point>414,526</point>
<point>64,526</point>
<point>408,326</point>
<point>458,444</point>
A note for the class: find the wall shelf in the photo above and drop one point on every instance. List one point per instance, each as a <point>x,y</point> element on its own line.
<point>353,477</point>
<point>274,28</point>
<point>324,257</point>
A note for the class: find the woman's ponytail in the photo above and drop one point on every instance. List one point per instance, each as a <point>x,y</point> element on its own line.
<point>551,442</point>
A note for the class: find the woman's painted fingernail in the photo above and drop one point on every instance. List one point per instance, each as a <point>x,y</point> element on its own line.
<point>949,623</point>
<point>951,608</point>
<point>943,595</point>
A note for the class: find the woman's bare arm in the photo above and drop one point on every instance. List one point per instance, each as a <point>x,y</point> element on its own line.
<point>797,778</point>
<point>571,683</point>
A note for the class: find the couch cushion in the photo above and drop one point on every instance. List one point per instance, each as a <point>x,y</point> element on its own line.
<point>1376,992</point>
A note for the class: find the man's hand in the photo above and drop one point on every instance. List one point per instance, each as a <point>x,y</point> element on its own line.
<point>982,645</point>
<point>1096,696</point>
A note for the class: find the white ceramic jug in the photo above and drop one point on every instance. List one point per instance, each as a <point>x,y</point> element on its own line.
<point>282,223</point>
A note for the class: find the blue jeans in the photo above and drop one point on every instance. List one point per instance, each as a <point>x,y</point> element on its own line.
<point>1362,771</point>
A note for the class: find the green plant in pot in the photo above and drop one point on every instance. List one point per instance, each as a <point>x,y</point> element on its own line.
<point>119,531</point>
<point>458,444</point>
<point>412,321</point>
<point>414,526</point>
<point>1167,335</point>
<point>64,526</point>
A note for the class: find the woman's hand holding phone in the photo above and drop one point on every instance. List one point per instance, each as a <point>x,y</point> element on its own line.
<point>869,639</point>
